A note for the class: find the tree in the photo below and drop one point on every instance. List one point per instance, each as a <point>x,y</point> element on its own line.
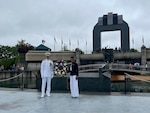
<point>79,50</point>
<point>7,52</point>
<point>23,47</point>
<point>9,55</point>
<point>133,50</point>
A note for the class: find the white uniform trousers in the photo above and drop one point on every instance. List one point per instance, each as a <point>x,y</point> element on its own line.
<point>44,81</point>
<point>74,86</point>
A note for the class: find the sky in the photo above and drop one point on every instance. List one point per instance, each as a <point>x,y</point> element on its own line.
<point>71,22</point>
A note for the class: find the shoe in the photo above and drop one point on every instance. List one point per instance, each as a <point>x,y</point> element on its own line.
<point>42,96</point>
<point>48,95</point>
<point>74,97</point>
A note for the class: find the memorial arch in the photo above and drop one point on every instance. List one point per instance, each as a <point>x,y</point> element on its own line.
<point>111,22</point>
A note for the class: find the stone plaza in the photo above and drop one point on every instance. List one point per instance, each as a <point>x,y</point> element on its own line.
<point>29,101</point>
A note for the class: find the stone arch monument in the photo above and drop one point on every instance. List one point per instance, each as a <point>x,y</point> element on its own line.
<point>111,22</point>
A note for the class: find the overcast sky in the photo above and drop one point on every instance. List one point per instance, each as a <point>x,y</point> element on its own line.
<point>37,20</point>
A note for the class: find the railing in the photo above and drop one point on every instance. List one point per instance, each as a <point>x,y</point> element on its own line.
<point>28,79</point>
<point>130,86</point>
<point>18,79</point>
<point>114,66</point>
<point>90,67</point>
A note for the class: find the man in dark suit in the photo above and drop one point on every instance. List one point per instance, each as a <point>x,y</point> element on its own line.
<point>74,78</point>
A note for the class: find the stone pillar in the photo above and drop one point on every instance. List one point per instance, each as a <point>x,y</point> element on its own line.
<point>104,81</point>
<point>143,56</point>
<point>78,56</point>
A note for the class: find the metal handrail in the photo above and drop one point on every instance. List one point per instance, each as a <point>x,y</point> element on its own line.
<point>7,79</point>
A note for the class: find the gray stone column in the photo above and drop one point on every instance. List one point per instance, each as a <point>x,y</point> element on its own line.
<point>104,81</point>
<point>78,56</point>
<point>143,56</point>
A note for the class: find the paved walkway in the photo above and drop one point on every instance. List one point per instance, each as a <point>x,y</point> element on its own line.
<point>30,102</point>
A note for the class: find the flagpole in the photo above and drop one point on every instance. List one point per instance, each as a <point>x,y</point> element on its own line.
<point>133,42</point>
<point>86,46</point>
<point>61,44</point>
<point>69,44</point>
<point>54,43</point>
<point>143,39</point>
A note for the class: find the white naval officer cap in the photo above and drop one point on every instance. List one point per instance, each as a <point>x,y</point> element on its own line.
<point>47,54</point>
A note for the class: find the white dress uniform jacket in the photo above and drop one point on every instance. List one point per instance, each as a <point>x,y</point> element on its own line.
<point>47,68</point>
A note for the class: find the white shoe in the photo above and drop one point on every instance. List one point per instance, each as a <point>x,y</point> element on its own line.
<point>42,96</point>
<point>48,95</point>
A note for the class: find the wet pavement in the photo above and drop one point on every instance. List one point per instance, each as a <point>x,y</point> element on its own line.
<point>14,101</point>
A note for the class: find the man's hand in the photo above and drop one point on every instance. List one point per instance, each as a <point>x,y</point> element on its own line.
<point>76,77</point>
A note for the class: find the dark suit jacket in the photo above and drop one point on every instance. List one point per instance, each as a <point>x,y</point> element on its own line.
<point>74,69</point>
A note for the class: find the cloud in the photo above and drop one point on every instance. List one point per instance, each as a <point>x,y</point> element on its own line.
<point>35,20</point>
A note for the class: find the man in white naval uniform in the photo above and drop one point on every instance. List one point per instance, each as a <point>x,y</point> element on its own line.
<point>74,78</point>
<point>46,74</point>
